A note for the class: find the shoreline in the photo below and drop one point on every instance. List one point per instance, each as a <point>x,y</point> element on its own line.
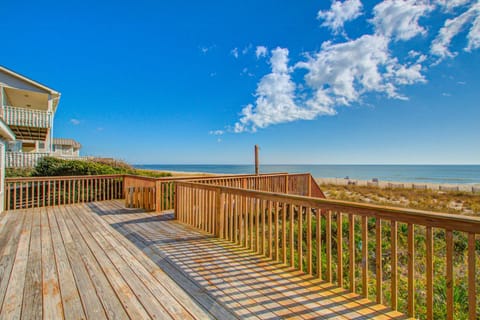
<point>383,184</point>
<point>470,187</point>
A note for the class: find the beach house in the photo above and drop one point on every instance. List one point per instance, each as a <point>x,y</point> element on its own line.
<point>65,147</point>
<point>28,108</point>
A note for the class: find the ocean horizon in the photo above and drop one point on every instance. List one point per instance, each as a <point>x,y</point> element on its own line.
<point>453,174</point>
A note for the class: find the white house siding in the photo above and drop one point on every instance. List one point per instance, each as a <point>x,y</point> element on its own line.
<point>2,174</point>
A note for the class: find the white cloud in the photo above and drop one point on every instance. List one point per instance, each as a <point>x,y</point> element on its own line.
<point>216,132</point>
<point>74,121</point>
<point>452,27</point>
<point>246,72</point>
<point>247,49</point>
<point>347,70</point>
<point>449,5</point>
<point>339,13</point>
<point>234,52</point>
<point>275,101</point>
<point>339,74</point>
<point>399,18</point>
<point>474,34</point>
<point>261,51</point>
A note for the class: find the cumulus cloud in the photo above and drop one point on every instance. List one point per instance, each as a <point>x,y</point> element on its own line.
<point>261,51</point>
<point>474,34</point>
<point>275,101</point>
<point>341,73</point>
<point>74,121</point>
<point>441,44</point>
<point>216,132</point>
<point>449,5</point>
<point>336,75</point>
<point>339,13</point>
<point>399,18</point>
<point>234,52</point>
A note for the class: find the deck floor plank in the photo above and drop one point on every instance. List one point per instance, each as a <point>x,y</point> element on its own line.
<point>52,301</point>
<point>88,294</point>
<point>100,260</point>
<point>71,301</point>
<point>115,295</point>
<point>32,294</point>
<point>9,245</point>
<point>138,297</point>
<point>169,295</point>
<point>12,304</point>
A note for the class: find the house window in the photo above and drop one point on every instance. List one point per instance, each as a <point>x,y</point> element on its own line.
<point>41,145</point>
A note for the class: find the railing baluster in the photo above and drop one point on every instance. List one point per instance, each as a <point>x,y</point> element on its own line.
<point>378,262</point>
<point>292,235</point>
<point>309,239</point>
<point>269,216</point>
<point>328,230</point>
<point>319,243</point>
<point>300,238</point>
<point>449,275</point>
<point>411,270</point>
<point>351,250</point>
<point>277,233</point>
<point>284,233</point>
<point>365,256</point>
<point>394,266</point>
<point>472,280</point>
<point>429,266</point>
<point>339,249</point>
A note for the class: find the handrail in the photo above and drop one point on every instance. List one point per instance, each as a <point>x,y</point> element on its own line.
<point>22,179</point>
<point>364,248</point>
<point>302,183</point>
<point>26,117</point>
<point>35,192</point>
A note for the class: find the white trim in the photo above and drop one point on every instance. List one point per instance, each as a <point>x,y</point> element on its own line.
<point>5,132</point>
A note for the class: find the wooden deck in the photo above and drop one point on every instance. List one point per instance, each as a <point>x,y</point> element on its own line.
<point>101,260</point>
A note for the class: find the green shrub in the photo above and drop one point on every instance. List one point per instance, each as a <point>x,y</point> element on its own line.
<point>50,166</point>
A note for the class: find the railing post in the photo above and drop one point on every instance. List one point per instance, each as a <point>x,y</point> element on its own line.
<point>175,202</point>
<point>309,185</point>
<point>286,184</point>
<point>159,196</point>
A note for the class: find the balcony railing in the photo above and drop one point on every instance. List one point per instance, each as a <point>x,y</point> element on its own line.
<point>14,116</point>
<point>30,159</point>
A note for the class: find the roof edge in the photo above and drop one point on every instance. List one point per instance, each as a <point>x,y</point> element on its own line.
<point>33,82</point>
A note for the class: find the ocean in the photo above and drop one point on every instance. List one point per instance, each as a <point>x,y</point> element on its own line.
<point>454,174</point>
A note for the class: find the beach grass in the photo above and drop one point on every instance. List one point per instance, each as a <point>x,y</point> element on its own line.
<point>459,202</point>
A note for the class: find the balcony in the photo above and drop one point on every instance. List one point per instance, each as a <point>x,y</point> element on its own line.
<point>30,159</point>
<point>27,124</point>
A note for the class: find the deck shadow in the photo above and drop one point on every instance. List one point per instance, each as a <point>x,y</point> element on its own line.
<point>244,284</point>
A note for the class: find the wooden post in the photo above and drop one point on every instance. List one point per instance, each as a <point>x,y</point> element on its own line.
<point>159,198</point>
<point>256,160</point>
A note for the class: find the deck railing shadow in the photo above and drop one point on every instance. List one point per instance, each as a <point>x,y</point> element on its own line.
<point>383,253</point>
<point>250,278</point>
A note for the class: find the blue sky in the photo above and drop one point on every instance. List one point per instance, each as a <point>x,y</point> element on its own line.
<point>311,82</point>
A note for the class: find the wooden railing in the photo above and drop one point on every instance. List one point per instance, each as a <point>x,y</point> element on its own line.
<point>164,193</point>
<point>402,258</point>
<point>15,116</point>
<point>22,193</point>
